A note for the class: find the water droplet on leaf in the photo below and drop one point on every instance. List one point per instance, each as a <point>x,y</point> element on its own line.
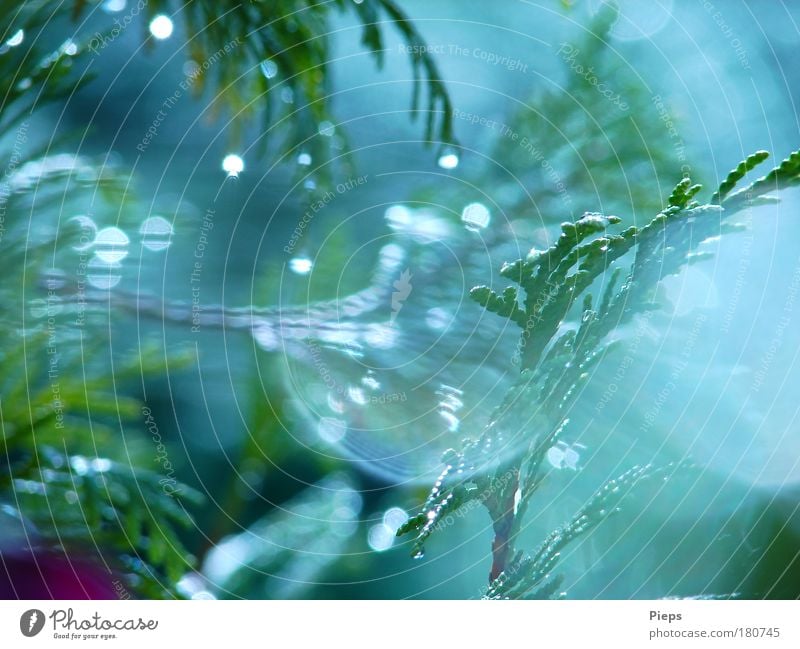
<point>269,68</point>
<point>16,39</point>
<point>448,158</point>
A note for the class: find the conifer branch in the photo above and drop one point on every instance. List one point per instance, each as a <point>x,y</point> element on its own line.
<point>502,466</point>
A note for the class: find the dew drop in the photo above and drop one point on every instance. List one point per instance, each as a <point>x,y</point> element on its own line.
<point>398,216</point>
<point>102,275</point>
<point>101,464</point>
<point>327,129</point>
<point>191,69</point>
<point>356,395</point>
<point>448,158</point>
<point>88,232</point>
<point>79,465</point>
<point>16,39</point>
<point>370,383</point>
<point>161,27</point>
<point>394,518</point>
<point>232,164</point>
<point>475,216</point>
<point>571,457</point>
<point>111,245</point>
<point>304,159</point>
<point>113,6</point>
<point>287,95</point>
<point>380,537</point>
<point>555,457</point>
<point>301,265</point>
<point>423,225</point>
<point>269,68</point>
<point>156,233</point>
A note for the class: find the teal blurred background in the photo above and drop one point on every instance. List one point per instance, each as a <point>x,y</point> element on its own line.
<point>304,482</point>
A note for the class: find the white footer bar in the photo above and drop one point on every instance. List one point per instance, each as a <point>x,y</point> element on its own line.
<point>406,624</point>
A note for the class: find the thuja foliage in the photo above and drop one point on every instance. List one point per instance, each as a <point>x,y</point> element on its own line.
<point>565,333</point>
<point>269,63</point>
